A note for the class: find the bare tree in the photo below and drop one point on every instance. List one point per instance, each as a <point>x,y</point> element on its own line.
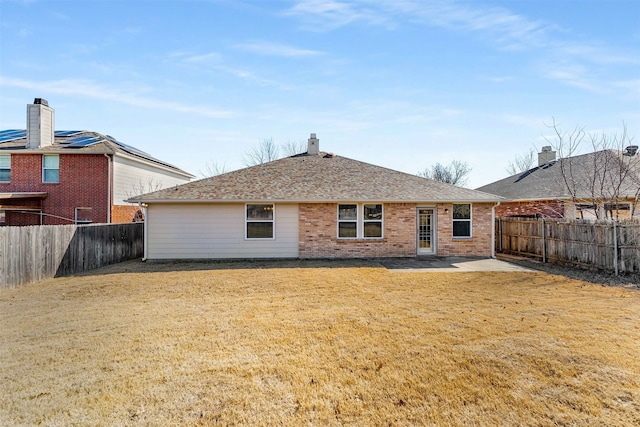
<point>457,173</point>
<point>292,148</point>
<point>212,168</point>
<point>264,152</point>
<point>522,163</point>
<point>141,187</point>
<point>605,180</point>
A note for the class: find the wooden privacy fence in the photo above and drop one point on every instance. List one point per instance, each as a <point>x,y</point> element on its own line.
<point>30,254</point>
<point>605,245</point>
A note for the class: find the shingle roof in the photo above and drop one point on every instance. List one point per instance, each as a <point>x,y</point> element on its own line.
<point>316,178</point>
<point>547,182</point>
<point>103,144</point>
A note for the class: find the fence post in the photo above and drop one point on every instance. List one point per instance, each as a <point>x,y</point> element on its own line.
<point>615,247</point>
<point>500,235</point>
<point>544,244</point>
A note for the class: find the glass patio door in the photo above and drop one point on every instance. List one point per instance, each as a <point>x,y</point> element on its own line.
<point>425,231</point>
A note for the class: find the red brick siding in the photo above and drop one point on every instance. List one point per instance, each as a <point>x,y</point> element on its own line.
<point>540,208</point>
<point>123,213</point>
<point>83,183</point>
<point>481,241</point>
<point>318,233</point>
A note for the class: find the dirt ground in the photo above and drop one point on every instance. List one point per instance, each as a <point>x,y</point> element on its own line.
<point>317,343</point>
<point>629,280</point>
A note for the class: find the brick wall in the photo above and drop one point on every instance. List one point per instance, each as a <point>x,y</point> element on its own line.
<point>83,183</point>
<point>479,244</point>
<point>124,213</point>
<point>539,208</point>
<point>318,233</point>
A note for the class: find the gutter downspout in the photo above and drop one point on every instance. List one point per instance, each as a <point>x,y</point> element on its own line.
<point>493,230</point>
<point>145,214</point>
<point>109,162</point>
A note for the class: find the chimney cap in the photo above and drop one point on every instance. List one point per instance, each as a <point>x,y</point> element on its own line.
<point>546,148</point>
<point>41,101</point>
<point>631,150</point>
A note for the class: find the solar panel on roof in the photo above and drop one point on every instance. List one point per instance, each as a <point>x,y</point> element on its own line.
<point>10,134</point>
<point>83,141</point>
<point>66,132</point>
<point>132,150</point>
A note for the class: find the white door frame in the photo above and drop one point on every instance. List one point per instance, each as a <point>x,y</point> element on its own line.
<point>434,230</point>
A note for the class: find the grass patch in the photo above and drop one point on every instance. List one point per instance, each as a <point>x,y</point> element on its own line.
<point>244,345</point>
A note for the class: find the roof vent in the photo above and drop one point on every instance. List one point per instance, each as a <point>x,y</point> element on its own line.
<point>631,150</point>
<point>546,155</point>
<point>314,145</point>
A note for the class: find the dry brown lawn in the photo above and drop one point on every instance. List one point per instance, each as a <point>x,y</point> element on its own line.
<point>314,343</point>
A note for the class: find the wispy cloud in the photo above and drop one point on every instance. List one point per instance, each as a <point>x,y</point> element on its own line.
<point>323,15</point>
<point>205,57</point>
<point>631,87</point>
<point>89,89</point>
<point>574,75</point>
<point>497,25</point>
<point>505,27</point>
<point>276,49</point>
<point>215,61</point>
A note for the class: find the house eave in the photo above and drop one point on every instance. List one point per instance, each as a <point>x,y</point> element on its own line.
<point>166,167</point>
<point>356,200</point>
<point>54,151</point>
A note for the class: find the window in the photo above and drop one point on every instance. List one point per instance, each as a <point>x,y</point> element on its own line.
<point>347,221</point>
<point>259,222</point>
<point>372,221</point>
<point>5,167</point>
<point>462,220</point>
<point>83,216</point>
<point>352,225</point>
<point>586,210</point>
<point>50,168</point>
<point>617,210</point>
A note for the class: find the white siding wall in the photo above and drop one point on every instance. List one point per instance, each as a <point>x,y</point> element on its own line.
<point>183,231</point>
<point>131,178</point>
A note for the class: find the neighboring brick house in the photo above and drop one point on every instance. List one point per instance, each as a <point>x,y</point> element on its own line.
<point>63,177</point>
<point>602,184</point>
<point>316,205</point>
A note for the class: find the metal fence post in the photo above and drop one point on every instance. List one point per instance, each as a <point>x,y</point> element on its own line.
<point>615,247</point>
<point>544,244</point>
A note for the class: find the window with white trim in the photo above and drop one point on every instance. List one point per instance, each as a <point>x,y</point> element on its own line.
<point>5,167</point>
<point>50,168</point>
<point>259,221</point>
<point>83,216</point>
<point>372,221</point>
<point>462,220</point>
<point>347,221</point>
<point>360,221</point>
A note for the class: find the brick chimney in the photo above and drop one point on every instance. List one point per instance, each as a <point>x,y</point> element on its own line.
<point>40,124</point>
<point>314,145</point>
<point>546,155</point>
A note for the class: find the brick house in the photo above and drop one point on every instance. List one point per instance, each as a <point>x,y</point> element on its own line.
<point>316,205</point>
<point>63,177</point>
<point>601,184</point>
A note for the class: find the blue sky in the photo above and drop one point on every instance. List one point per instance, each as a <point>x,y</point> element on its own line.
<point>397,83</point>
